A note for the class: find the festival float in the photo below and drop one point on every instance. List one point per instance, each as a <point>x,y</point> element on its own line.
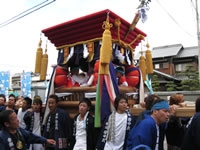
<point>96,44</point>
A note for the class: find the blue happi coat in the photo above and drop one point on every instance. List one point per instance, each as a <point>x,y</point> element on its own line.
<point>27,138</point>
<point>62,129</point>
<point>144,132</point>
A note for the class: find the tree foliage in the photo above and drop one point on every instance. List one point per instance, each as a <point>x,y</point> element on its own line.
<point>171,86</point>
<point>155,83</point>
<point>190,81</point>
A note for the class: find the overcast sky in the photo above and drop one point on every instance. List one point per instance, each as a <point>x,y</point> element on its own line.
<point>169,22</point>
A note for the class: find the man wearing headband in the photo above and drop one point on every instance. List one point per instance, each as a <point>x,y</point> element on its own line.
<point>146,131</point>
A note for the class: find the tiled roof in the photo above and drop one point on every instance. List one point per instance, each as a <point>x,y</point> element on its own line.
<point>188,51</point>
<point>166,51</point>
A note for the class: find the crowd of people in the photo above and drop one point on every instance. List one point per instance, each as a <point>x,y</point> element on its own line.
<point>23,126</point>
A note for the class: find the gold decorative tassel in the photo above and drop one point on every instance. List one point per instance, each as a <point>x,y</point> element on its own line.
<point>133,55</point>
<point>38,57</point>
<point>90,46</point>
<point>142,67</point>
<point>106,47</point>
<point>66,54</point>
<point>44,65</point>
<point>149,63</point>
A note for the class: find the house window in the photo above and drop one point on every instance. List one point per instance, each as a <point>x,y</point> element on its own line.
<point>161,66</point>
<point>181,67</point>
<point>157,66</point>
<point>165,65</point>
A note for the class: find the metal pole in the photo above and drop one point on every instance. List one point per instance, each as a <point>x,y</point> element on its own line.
<point>198,36</point>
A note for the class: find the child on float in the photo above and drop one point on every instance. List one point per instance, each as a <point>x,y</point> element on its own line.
<point>121,79</point>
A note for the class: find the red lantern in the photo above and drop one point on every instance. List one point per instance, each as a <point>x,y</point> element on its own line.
<point>61,80</point>
<point>61,71</point>
<point>132,74</point>
<point>132,80</point>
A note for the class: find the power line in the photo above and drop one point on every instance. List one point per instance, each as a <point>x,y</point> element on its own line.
<point>174,20</point>
<point>26,12</point>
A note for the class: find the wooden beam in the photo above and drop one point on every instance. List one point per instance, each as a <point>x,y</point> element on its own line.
<point>122,89</point>
<point>72,108</point>
<point>180,112</point>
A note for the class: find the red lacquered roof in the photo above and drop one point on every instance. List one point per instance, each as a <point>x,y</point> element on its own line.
<point>90,27</point>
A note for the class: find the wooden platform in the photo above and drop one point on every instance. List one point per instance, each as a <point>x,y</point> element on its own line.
<point>77,93</point>
<point>180,112</point>
<point>122,89</point>
<point>72,108</point>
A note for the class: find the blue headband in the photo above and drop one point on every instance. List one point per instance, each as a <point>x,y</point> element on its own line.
<point>160,105</point>
<point>120,71</point>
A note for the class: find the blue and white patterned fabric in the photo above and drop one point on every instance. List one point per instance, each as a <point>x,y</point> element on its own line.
<point>26,84</point>
<point>4,82</point>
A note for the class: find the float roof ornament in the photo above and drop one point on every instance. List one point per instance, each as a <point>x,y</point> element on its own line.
<point>89,28</point>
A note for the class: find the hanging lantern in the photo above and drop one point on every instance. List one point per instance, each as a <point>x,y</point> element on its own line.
<point>38,57</point>
<point>106,48</point>
<point>149,63</point>
<point>142,66</point>
<point>44,65</point>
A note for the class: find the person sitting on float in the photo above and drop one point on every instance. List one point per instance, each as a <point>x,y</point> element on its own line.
<point>76,78</point>
<point>121,79</point>
<point>93,77</point>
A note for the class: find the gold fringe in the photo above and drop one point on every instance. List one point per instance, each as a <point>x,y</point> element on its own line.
<point>121,43</point>
<point>142,67</point>
<point>149,63</point>
<point>132,53</point>
<point>66,54</point>
<point>106,48</point>
<point>90,46</point>
<point>80,42</point>
<point>38,57</point>
<point>139,36</point>
<point>117,23</point>
<point>44,64</point>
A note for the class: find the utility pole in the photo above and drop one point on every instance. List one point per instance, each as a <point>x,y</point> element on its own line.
<point>198,36</point>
